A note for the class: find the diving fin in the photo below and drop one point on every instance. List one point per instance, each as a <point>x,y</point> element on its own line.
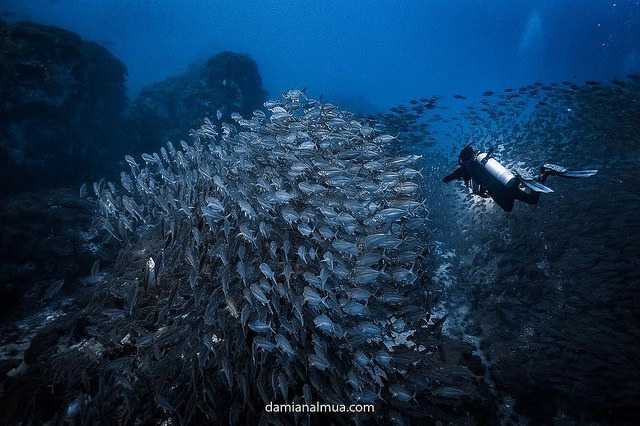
<point>579,173</point>
<point>536,186</point>
<point>555,170</point>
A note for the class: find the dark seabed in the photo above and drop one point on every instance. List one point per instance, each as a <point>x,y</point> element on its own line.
<point>211,208</point>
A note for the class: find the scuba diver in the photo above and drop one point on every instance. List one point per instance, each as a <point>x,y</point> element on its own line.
<point>489,178</point>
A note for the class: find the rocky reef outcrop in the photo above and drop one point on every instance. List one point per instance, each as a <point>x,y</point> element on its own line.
<point>63,108</point>
<point>226,83</point>
<point>61,99</point>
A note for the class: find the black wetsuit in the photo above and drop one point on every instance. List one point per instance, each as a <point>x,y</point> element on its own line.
<point>504,187</point>
<point>473,172</point>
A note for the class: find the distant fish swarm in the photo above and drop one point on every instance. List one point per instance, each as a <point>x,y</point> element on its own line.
<point>302,242</point>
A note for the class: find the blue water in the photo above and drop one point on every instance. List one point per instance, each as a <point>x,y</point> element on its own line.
<point>365,54</point>
<point>538,307</point>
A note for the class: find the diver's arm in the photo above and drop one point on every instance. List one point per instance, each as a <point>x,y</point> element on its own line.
<point>458,173</point>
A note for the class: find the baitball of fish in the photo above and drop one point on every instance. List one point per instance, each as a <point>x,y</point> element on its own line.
<point>299,239</point>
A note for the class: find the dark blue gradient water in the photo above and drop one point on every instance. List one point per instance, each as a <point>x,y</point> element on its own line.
<point>366,53</point>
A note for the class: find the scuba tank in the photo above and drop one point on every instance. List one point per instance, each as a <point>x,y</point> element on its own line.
<point>501,174</point>
<point>489,178</point>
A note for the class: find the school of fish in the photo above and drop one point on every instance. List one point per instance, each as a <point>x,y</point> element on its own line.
<point>300,241</point>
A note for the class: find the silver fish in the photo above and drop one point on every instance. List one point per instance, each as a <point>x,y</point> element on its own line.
<point>260,326</point>
<point>284,345</point>
<point>324,323</point>
<point>292,214</point>
<point>345,247</point>
<point>268,272</point>
<point>312,297</point>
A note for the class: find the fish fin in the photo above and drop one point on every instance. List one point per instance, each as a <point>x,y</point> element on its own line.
<point>324,301</point>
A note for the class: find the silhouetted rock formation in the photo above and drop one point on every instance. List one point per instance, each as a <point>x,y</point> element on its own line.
<point>61,99</point>
<point>228,82</point>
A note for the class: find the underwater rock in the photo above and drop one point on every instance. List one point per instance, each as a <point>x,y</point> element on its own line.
<point>226,83</point>
<point>42,243</point>
<point>61,97</point>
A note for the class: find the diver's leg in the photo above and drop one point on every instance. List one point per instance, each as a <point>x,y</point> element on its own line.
<point>505,202</point>
<point>544,174</point>
<point>531,197</point>
<point>555,170</point>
